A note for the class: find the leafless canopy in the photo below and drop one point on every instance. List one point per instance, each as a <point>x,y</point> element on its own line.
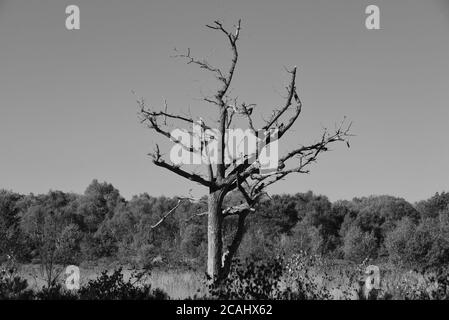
<point>245,175</point>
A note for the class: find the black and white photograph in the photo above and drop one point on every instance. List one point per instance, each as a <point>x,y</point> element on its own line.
<point>224,156</point>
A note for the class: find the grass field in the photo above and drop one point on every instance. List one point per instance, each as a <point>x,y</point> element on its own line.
<point>186,284</point>
<point>177,284</point>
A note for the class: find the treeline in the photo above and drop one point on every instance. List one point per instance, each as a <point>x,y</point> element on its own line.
<point>67,228</point>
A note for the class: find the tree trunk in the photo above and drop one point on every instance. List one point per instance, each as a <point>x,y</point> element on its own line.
<point>214,234</point>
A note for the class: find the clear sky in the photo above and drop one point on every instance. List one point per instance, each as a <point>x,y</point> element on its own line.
<point>67,114</point>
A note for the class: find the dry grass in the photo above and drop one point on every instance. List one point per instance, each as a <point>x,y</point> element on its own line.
<point>177,284</point>
<point>188,284</point>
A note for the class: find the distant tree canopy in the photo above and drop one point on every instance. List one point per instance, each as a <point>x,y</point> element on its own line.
<point>70,228</point>
<point>98,204</point>
<point>432,207</point>
<point>11,239</point>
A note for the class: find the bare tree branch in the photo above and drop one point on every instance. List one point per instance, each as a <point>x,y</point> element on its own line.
<point>237,210</point>
<point>305,155</point>
<point>247,110</point>
<point>167,214</point>
<point>291,94</point>
<point>196,215</point>
<point>232,40</point>
<point>157,160</point>
<point>203,64</point>
<point>180,201</point>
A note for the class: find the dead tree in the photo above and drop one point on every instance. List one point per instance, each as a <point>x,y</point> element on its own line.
<point>242,174</point>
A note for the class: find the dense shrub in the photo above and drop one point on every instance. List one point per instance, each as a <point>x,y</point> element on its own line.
<point>359,245</point>
<point>433,285</point>
<point>107,286</point>
<point>114,287</point>
<point>12,287</point>
<point>434,206</point>
<point>12,239</point>
<point>397,243</point>
<point>255,246</point>
<point>251,281</point>
<point>194,237</point>
<point>423,246</point>
<point>302,276</point>
<point>301,273</point>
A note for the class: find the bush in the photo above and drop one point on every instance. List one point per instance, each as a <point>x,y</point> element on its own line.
<point>302,274</point>
<point>105,287</point>
<point>423,246</point>
<point>194,240</point>
<point>55,292</point>
<point>12,287</point>
<point>435,205</point>
<point>250,281</point>
<point>397,243</point>
<point>114,287</point>
<point>274,279</point>
<point>359,245</point>
<point>433,286</point>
